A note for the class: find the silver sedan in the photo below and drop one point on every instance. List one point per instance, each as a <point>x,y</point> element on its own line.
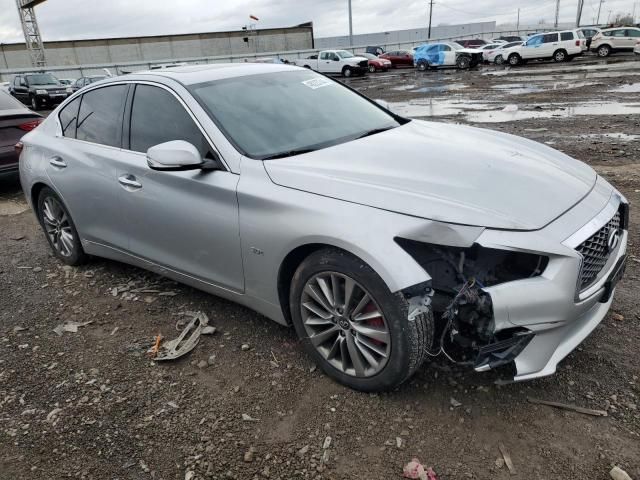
<point>382,240</point>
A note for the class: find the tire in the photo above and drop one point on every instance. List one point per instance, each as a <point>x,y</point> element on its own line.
<point>498,60</point>
<point>514,59</point>
<point>372,69</point>
<point>560,56</point>
<point>463,62</point>
<point>33,102</point>
<point>70,251</point>
<point>423,66</point>
<point>307,66</point>
<point>347,72</point>
<point>407,341</point>
<point>604,51</point>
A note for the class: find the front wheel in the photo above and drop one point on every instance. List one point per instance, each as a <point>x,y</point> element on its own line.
<point>514,59</point>
<point>560,56</point>
<point>498,60</point>
<point>352,326</point>
<point>59,228</point>
<point>463,63</point>
<point>423,66</point>
<point>347,72</point>
<point>372,69</point>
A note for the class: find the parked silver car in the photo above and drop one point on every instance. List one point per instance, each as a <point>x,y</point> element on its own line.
<point>381,239</point>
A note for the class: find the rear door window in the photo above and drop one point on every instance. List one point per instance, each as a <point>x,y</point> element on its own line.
<point>100,117</point>
<point>618,33</point>
<point>158,117</point>
<point>68,118</point>
<point>633,33</point>
<point>566,36</point>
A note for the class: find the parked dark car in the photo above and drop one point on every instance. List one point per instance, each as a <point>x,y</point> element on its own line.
<point>510,38</point>
<point>84,81</point>
<point>399,58</point>
<point>472,43</point>
<point>15,121</point>
<point>39,89</point>
<point>374,50</point>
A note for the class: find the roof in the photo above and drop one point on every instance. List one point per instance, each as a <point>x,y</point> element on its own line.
<point>192,74</point>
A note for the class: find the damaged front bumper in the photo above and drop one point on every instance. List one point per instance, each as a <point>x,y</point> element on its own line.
<point>554,313</point>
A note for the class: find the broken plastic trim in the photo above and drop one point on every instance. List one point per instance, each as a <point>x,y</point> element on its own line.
<point>186,341</point>
<point>419,297</point>
<point>504,351</point>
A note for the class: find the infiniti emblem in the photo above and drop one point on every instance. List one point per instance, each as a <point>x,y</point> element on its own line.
<point>612,241</point>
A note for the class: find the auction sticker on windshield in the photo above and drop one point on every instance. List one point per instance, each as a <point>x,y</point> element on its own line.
<point>315,83</point>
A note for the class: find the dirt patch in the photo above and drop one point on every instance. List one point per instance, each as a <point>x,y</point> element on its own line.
<point>92,405</point>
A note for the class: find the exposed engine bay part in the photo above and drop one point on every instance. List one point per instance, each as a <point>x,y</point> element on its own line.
<point>466,330</point>
<point>419,298</point>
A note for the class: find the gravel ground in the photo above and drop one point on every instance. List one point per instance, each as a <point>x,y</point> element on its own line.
<point>91,405</point>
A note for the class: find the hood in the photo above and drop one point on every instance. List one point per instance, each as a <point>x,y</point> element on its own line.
<point>356,59</point>
<point>444,172</point>
<point>50,86</point>
<point>468,50</point>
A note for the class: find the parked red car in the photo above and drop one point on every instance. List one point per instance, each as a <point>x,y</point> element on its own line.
<point>473,43</point>
<point>376,64</point>
<point>403,58</point>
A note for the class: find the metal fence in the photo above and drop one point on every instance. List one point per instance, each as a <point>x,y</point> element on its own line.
<point>77,71</point>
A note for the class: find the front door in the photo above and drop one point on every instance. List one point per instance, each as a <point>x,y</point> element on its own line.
<point>185,221</point>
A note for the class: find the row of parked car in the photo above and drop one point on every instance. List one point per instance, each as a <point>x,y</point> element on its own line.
<point>560,46</point>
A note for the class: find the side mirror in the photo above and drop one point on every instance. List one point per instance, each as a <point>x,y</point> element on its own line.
<point>336,59</point>
<point>174,156</point>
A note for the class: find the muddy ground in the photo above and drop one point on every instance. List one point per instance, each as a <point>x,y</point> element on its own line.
<point>91,405</point>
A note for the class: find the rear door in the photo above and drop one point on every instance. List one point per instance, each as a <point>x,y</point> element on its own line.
<point>618,38</point>
<point>81,163</point>
<point>632,35</point>
<point>550,43</point>
<point>186,221</point>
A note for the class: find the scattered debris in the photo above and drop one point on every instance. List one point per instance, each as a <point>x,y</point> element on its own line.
<point>113,332</point>
<point>186,341</point>
<point>398,442</point>
<point>208,330</point>
<point>455,403</point>
<point>153,352</point>
<point>211,360</point>
<point>327,443</point>
<point>71,327</point>
<point>617,473</point>
<point>414,469</point>
<point>573,408</point>
<point>51,417</point>
<point>189,475</point>
<point>17,238</point>
<point>203,364</point>
<point>617,317</point>
<point>303,451</point>
<point>507,458</point>
<point>248,455</point>
<point>499,462</point>
<point>248,418</point>
<point>244,347</point>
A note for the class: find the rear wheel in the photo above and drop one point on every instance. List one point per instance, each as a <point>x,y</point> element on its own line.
<point>59,228</point>
<point>352,326</point>
<point>514,59</point>
<point>604,50</point>
<point>560,56</point>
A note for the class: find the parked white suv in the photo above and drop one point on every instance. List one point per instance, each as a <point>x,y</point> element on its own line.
<point>612,40</point>
<point>559,46</point>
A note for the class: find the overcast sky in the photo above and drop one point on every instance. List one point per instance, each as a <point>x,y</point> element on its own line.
<point>75,19</point>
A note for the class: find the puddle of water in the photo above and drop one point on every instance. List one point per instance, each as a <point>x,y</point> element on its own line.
<point>525,88</point>
<point>630,88</point>
<point>576,68</point>
<point>623,137</point>
<point>440,88</point>
<point>486,112</point>
<point>402,88</point>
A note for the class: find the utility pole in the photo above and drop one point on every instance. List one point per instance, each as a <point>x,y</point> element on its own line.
<point>430,15</point>
<point>31,31</point>
<point>579,13</point>
<point>557,13</point>
<point>350,26</point>
<point>599,8</point>
<point>518,21</point>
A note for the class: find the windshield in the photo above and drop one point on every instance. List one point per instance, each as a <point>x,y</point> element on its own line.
<point>512,44</point>
<point>344,54</point>
<point>42,79</point>
<point>284,113</point>
<point>455,45</point>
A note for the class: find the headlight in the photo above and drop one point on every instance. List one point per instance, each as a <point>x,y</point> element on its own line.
<point>41,92</point>
<point>69,90</point>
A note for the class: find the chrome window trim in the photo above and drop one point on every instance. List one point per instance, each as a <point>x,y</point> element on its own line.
<point>138,82</point>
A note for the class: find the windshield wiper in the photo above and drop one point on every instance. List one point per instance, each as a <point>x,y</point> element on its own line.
<point>289,153</point>
<point>374,131</point>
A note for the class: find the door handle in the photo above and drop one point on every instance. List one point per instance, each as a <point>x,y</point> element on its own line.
<point>129,181</point>
<point>57,162</point>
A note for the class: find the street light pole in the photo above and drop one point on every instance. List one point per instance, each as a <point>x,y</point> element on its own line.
<point>430,14</point>
<point>350,26</point>
<point>599,8</point>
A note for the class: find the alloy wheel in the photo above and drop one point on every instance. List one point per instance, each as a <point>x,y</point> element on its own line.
<point>58,227</point>
<point>345,324</point>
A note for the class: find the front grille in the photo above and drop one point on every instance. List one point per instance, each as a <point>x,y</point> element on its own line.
<point>595,252</point>
<point>364,63</point>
